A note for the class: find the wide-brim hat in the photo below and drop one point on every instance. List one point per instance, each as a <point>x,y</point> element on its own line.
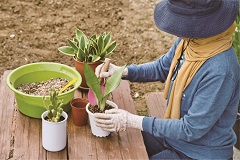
<point>195,18</point>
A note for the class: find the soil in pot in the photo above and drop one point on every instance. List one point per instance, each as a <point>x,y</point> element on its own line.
<point>95,109</point>
<point>47,119</point>
<point>42,88</point>
<point>97,131</point>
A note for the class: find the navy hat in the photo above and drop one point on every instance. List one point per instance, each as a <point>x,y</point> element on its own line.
<point>195,18</point>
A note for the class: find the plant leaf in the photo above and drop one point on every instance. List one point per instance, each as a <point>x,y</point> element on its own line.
<point>82,43</point>
<point>94,50</point>
<point>72,44</point>
<point>111,47</point>
<point>93,37</point>
<point>92,81</point>
<point>95,58</point>
<point>113,82</point>
<point>80,55</point>
<point>66,50</point>
<point>107,39</point>
<point>100,43</point>
<point>91,97</point>
<point>80,34</point>
<point>95,46</point>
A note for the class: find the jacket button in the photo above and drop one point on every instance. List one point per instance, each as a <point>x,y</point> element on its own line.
<point>193,5</point>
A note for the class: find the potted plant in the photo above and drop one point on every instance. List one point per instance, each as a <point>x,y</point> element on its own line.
<point>101,94</point>
<point>91,50</point>
<point>54,124</point>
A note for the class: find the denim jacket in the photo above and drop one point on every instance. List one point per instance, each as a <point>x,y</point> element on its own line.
<point>208,108</point>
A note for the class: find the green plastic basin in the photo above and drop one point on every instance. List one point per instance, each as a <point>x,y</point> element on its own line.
<point>33,106</point>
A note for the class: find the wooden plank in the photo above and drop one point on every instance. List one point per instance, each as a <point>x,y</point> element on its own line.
<point>6,116</point>
<point>57,155</point>
<point>156,104</point>
<point>80,142</point>
<point>108,147</point>
<point>130,141</point>
<point>27,138</point>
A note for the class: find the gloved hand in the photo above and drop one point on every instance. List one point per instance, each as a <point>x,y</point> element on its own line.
<point>112,68</point>
<point>117,120</point>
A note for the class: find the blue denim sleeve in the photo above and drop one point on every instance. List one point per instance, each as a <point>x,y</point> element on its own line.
<point>152,71</point>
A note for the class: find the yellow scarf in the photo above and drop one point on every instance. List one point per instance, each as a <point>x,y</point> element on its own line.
<point>196,53</point>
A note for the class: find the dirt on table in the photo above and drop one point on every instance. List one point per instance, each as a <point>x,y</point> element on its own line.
<point>32,30</point>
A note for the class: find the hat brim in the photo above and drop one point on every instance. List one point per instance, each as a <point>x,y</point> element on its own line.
<point>197,26</point>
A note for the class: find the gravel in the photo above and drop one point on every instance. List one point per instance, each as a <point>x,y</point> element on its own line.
<point>42,88</point>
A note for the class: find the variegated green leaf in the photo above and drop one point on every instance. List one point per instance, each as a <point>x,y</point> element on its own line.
<point>94,50</point>
<point>107,39</point>
<point>72,44</point>
<point>95,45</point>
<point>80,34</point>
<point>93,37</point>
<point>100,43</point>
<point>95,58</point>
<point>111,47</point>
<point>82,43</point>
<point>80,55</point>
<point>66,50</point>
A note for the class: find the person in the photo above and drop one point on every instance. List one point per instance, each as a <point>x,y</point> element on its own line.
<point>202,83</point>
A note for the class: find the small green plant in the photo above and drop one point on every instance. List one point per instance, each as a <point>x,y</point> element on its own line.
<point>236,37</point>
<point>55,108</point>
<point>111,84</point>
<point>94,49</point>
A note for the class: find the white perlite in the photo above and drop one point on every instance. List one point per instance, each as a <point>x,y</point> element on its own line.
<point>42,88</point>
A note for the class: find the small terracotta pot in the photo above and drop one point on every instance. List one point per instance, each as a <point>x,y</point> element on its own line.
<point>80,116</point>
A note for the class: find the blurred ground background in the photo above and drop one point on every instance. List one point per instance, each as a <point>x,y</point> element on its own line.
<point>32,30</point>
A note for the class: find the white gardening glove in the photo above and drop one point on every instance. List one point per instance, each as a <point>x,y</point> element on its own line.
<point>112,68</point>
<point>117,120</point>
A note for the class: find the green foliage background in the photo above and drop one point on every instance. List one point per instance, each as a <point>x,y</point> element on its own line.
<point>236,36</point>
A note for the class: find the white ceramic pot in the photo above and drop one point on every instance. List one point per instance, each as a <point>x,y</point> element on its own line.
<point>54,135</point>
<point>97,131</point>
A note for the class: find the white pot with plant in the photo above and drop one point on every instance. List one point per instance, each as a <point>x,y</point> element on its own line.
<point>98,96</point>
<point>91,50</point>
<point>54,124</point>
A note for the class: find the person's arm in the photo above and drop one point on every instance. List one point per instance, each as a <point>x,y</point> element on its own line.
<point>147,72</point>
<point>152,71</point>
<point>208,105</point>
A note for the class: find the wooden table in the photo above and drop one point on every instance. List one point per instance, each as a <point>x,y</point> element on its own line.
<point>20,136</point>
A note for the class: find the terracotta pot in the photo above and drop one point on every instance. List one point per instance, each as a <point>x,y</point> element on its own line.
<point>97,131</point>
<point>80,68</point>
<point>80,116</point>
